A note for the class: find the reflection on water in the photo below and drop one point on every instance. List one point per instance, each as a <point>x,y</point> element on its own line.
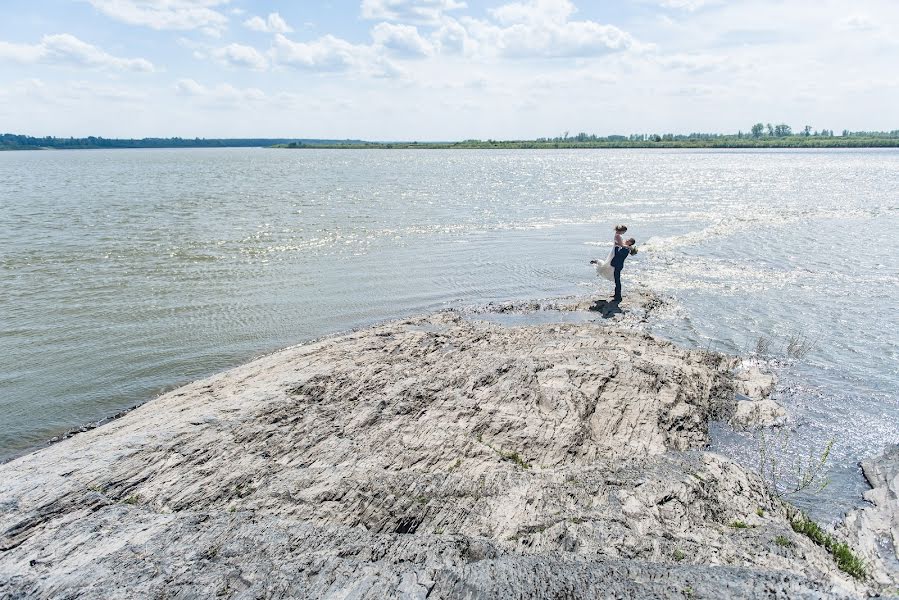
<point>128,272</point>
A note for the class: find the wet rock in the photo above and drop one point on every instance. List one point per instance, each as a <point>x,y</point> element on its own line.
<point>758,413</point>
<point>753,382</point>
<point>874,530</point>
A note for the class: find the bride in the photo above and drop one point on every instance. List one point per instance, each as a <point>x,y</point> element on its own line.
<point>605,268</point>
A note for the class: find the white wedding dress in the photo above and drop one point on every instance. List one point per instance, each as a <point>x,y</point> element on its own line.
<point>605,268</point>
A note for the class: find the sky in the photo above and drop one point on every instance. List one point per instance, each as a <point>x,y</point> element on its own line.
<point>444,69</point>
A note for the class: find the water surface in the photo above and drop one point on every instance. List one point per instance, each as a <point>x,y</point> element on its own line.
<point>128,272</point>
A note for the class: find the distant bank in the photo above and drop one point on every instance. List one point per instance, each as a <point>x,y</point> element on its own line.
<point>790,142</point>
<point>824,139</point>
<point>9,141</point>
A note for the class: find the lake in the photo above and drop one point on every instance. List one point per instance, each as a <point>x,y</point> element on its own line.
<point>128,272</point>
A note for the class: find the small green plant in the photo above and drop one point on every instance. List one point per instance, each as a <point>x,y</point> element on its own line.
<point>132,499</point>
<point>781,479</point>
<point>438,531</point>
<point>422,499</point>
<point>739,525</point>
<point>678,555</point>
<point>689,593</point>
<point>847,561</point>
<point>783,541</point>
<point>760,511</point>
<point>507,455</point>
<point>515,458</point>
<point>576,520</point>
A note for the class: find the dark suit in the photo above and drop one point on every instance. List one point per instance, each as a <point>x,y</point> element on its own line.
<point>618,263</point>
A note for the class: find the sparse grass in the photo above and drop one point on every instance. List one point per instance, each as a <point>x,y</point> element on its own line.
<point>455,465</point>
<point>782,479</point>
<point>576,520</point>
<point>515,458</point>
<point>739,525</point>
<point>762,346</point>
<point>799,345</point>
<point>847,561</point>
<point>678,555</point>
<point>783,541</point>
<point>232,509</point>
<point>422,499</point>
<point>438,531</point>
<point>760,511</point>
<point>507,455</point>
<point>689,593</point>
<point>132,499</point>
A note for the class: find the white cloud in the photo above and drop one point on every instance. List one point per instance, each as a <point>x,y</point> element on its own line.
<point>65,48</point>
<point>701,63</point>
<point>409,11</point>
<point>329,53</point>
<point>688,5</point>
<point>273,24</point>
<point>21,53</point>
<point>534,12</point>
<point>166,14</point>
<point>857,23</point>
<point>536,28</point>
<point>225,93</point>
<point>402,40</point>
<point>238,55</point>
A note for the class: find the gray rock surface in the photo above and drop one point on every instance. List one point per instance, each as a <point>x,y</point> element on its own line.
<point>432,457</point>
<point>758,413</point>
<point>874,530</point>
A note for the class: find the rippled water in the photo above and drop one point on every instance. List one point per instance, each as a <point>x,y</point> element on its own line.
<point>127,272</point>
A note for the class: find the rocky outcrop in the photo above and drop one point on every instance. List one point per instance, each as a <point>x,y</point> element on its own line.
<point>437,457</point>
<point>754,408</point>
<point>758,413</point>
<point>874,530</point>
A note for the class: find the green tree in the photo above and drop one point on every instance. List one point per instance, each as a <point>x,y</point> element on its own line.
<point>757,130</point>
<point>783,130</point>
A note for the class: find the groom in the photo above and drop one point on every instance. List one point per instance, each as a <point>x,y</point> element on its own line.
<point>617,263</point>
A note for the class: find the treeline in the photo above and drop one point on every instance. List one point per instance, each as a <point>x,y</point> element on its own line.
<point>759,135</point>
<point>9,141</point>
<point>756,132</point>
<point>606,142</point>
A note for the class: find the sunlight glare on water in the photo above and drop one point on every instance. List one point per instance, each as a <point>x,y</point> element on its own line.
<point>126,273</point>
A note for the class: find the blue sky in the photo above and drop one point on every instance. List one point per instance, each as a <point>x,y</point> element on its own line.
<point>444,69</point>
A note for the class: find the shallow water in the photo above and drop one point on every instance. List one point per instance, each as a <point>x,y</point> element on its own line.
<point>128,272</point>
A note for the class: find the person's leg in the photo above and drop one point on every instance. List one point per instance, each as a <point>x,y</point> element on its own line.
<point>618,283</point>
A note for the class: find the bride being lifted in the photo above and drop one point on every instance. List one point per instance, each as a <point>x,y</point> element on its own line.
<point>611,267</point>
<point>605,268</point>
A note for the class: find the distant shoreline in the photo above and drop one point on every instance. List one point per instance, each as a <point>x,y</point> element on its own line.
<point>528,145</point>
<point>773,145</point>
<point>859,139</point>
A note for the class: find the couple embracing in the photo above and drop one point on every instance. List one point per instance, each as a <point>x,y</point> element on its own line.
<point>611,268</point>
